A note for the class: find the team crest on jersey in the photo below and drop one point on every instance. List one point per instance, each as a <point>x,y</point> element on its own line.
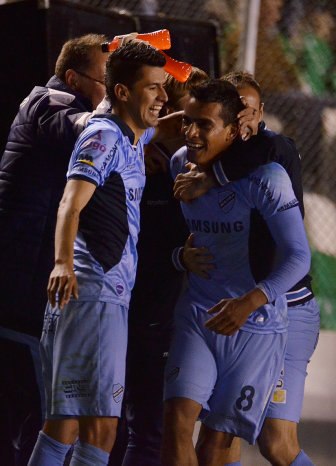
<point>117,392</point>
<point>120,289</point>
<point>226,200</point>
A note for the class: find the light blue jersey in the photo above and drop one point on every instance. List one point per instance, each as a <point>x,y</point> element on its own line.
<point>220,221</point>
<point>83,347</point>
<point>105,255</point>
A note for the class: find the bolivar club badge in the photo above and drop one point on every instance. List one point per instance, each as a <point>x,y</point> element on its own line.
<point>226,200</point>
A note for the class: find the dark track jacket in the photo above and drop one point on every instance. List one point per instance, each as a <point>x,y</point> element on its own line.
<point>32,180</point>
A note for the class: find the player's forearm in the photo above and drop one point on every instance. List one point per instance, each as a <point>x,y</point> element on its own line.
<point>290,236</point>
<point>169,127</point>
<point>255,299</point>
<point>66,230</point>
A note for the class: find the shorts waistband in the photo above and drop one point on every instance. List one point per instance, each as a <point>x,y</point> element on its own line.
<point>301,296</point>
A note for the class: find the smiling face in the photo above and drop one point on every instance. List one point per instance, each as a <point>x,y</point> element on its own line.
<point>251,98</point>
<point>146,98</point>
<point>205,132</point>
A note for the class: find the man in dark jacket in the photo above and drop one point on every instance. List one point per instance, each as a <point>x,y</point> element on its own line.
<point>32,180</point>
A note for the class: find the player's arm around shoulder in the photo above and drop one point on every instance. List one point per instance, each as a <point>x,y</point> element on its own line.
<point>169,127</point>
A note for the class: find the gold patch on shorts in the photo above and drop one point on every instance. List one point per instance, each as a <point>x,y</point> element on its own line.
<point>279,396</point>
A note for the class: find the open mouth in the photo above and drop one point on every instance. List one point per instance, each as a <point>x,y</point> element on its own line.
<point>155,110</point>
<point>193,146</point>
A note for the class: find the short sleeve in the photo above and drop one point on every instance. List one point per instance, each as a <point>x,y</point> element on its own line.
<point>148,135</point>
<point>178,161</point>
<point>96,154</point>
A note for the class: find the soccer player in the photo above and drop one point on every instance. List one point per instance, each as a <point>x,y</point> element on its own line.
<point>157,287</point>
<point>278,440</point>
<point>84,338</point>
<point>229,364</point>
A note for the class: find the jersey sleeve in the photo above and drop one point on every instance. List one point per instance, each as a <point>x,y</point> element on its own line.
<point>148,135</point>
<point>95,155</point>
<point>272,194</point>
<point>178,161</point>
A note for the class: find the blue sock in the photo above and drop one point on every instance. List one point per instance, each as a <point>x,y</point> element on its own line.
<point>302,460</point>
<point>238,463</point>
<point>48,451</point>
<point>84,453</point>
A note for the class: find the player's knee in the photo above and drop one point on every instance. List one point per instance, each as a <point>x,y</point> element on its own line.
<point>178,419</point>
<point>63,430</point>
<point>213,447</point>
<point>275,449</point>
<point>278,441</point>
<point>98,431</point>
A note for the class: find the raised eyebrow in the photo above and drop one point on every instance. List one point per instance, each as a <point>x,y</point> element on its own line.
<point>155,84</point>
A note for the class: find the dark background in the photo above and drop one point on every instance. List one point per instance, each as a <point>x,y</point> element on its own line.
<point>31,39</point>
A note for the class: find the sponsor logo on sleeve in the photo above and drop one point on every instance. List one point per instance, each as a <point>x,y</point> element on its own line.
<point>86,159</point>
<point>263,187</point>
<point>289,205</point>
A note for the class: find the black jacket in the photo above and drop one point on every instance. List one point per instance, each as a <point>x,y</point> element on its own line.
<point>32,179</point>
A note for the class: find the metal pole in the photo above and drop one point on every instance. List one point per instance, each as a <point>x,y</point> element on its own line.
<point>251,37</point>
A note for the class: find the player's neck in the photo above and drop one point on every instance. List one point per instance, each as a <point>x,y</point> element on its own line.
<point>126,117</point>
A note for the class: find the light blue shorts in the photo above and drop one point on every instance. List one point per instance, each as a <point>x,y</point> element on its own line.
<point>83,352</point>
<point>303,332</point>
<point>231,377</point>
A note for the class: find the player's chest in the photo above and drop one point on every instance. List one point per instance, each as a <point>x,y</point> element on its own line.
<point>222,211</point>
<point>133,173</point>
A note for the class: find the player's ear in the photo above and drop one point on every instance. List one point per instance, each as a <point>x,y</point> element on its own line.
<point>71,79</point>
<point>261,112</point>
<point>232,132</point>
<point>121,92</point>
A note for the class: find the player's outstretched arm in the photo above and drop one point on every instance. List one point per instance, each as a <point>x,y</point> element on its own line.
<point>62,280</point>
<point>169,127</point>
<point>231,314</point>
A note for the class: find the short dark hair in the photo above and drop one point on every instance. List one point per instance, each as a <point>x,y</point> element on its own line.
<point>176,90</point>
<point>125,63</point>
<point>76,54</point>
<point>242,79</point>
<point>222,92</point>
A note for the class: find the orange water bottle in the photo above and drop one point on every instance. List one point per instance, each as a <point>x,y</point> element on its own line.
<point>178,69</point>
<point>158,39</point>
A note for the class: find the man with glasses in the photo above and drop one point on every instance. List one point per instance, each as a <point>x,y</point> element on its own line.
<point>32,180</point>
